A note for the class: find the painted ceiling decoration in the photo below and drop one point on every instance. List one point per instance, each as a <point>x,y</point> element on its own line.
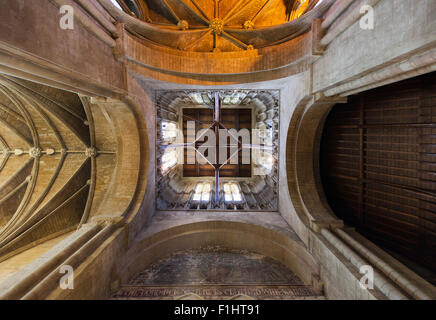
<point>217,26</point>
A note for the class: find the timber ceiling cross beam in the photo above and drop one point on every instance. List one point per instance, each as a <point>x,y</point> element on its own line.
<point>216,125</point>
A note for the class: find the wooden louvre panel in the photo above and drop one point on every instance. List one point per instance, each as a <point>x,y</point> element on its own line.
<point>378,166</point>
<point>231,119</point>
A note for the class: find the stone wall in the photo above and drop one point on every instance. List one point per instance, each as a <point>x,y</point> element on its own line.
<point>402,29</point>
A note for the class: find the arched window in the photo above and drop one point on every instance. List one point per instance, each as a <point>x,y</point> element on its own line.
<point>169,159</point>
<point>232,192</point>
<point>202,192</point>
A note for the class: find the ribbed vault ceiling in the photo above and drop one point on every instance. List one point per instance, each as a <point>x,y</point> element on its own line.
<point>45,165</point>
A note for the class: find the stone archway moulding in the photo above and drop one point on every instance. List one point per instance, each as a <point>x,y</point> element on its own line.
<point>275,244</point>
